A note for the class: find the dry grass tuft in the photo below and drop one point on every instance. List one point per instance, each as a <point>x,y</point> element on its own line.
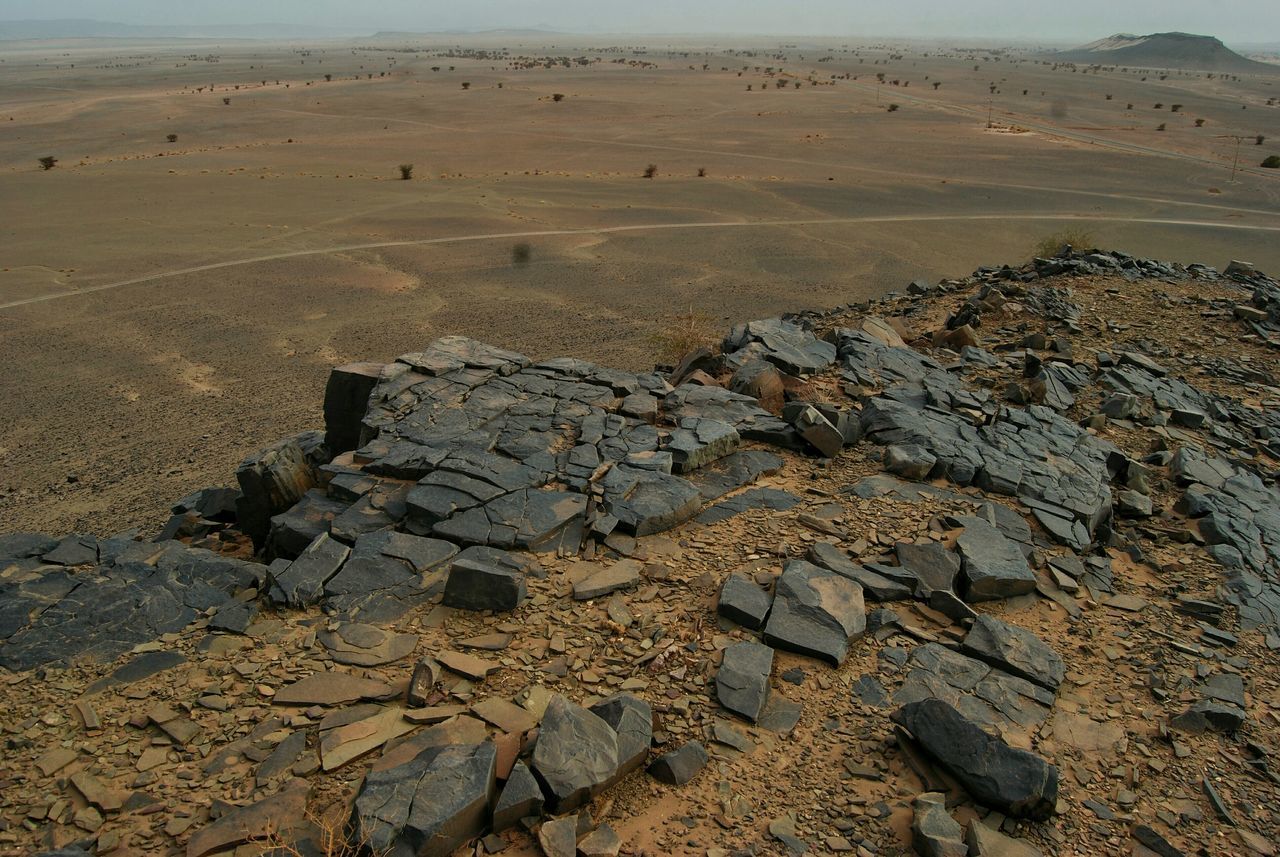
<point>684,332</point>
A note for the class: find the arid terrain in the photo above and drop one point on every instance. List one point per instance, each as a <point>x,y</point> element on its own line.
<point>168,307</point>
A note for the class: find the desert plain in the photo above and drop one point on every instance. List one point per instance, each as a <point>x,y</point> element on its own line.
<point>168,306</point>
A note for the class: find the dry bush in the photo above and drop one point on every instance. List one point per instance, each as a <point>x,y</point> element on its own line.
<point>330,838</point>
<point>406,171</point>
<point>683,333</point>
<point>172,138</point>
<point>557,96</point>
<point>651,171</point>
<point>1048,246</point>
<point>48,162</point>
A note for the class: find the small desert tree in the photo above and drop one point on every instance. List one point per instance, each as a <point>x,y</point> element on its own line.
<point>557,96</point>
<point>48,162</point>
<point>328,77</point>
<point>893,108</point>
<point>1199,123</point>
<point>1272,163</point>
<point>1160,127</point>
<point>651,171</point>
<point>1259,140</point>
<point>172,138</point>
<point>702,172</point>
<point>406,171</point>
<point>466,84</point>
<point>936,84</point>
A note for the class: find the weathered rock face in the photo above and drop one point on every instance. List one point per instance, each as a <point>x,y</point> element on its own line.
<point>1013,781</point>
<point>136,593</point>
<point>576,755</point>
<point>429,805</point>
<point>815,612</point>
<point>1015,651</point>
<point>270,482</point>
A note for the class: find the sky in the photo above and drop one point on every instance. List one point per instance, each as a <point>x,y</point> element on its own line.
<point>1241,21</point>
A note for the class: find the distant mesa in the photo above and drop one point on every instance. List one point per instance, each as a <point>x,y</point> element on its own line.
<point>1165,50</point>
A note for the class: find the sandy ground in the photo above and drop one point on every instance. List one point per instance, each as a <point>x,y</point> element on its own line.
<point>167,308</point>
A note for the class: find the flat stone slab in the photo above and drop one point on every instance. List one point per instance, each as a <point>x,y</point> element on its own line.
<point>623,574</point>
<point>333,688</point>
<point>477,585</point>
<point>366,645</point>
<point>985,695</point>
<point>815,612</point>
<point>1015,651</point>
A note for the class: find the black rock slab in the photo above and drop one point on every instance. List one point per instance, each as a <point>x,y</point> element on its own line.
<point>743,601</point>
<point>1016,782</point>
<point>992,566</point>
<point>742,682</point>
<point>679,766</point>
<point>1014,650</point>
<point>475,585</point>
<point>428,806</point>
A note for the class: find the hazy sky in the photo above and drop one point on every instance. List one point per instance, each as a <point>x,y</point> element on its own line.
<point>1250,21</point>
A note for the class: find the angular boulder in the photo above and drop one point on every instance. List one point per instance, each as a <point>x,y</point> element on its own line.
<point>815,612</point>
<point>477,585</point>
<point>743,601</point>
<point>576,755</point>
<point>992,566</point>
<point>1016,782</point>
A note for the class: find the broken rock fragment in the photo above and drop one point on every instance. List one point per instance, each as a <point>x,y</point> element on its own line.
<point>1014,650</point>
<point>742,682</point>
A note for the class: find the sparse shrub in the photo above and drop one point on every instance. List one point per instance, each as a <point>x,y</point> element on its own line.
<point>172,138</point>
<point>557,96</point>
<point>1259,140</point>
<point>893,108</point>
<point>1129,106</point>
<point>1175,108</point>
<point>651,171</point>
<point>406,171</point>
<point>226,101</point>
<point>683,333</point>
<point>328,77</point>
<point>1159,105</point>
<point>1160,127</point>
<point>1048,246</point>
<point>1109,97</point>
<point>466,84</point>
<point>521,254</point>
<point>48,162</point>
<point>1199,123</point>
<point>702,172</point>
<point>1272,163</point>
<point>936,84</point>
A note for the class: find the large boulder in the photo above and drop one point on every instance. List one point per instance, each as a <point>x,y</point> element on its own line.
<point>477,585</point>
<point>576,755</point>
<point>1016,782</point>
<point>429,805</point>
<point>815,612</point>
<point>346,398</point>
